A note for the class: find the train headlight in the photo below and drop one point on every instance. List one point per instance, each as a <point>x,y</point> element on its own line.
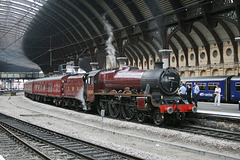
<point>170,110</point>
<point>194,109</point>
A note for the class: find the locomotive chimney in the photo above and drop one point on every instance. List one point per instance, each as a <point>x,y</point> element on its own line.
<point>158,65</point>
<point>121,61</point>
<point>164,55</point>
<point>94,65</point>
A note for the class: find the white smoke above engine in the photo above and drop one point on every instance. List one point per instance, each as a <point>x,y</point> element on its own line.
<point>110,48</point>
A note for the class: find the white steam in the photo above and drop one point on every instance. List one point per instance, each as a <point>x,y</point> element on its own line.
<point>110,48</point>
<point>81,97</point>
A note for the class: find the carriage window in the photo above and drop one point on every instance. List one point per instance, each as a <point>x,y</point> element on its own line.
<point>237,87</point>
<point>212,86</point>
<point>189,83</point>
<point>56,85</point>
<point>202,86</point>
<point>43,86</point>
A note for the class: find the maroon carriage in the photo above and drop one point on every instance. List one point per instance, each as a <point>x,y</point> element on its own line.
<point>49,89</point>
<point>28,89</point>
<point>75,92</point>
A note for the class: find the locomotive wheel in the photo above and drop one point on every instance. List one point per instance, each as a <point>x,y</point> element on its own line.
<point>77,106</point>
<point>102,106</point>
<point>114,109</point>
<point>141,117</point>
<point>69,104</point>
<point>128,111</point>
<point>158,118</point>
<point>180,116</point>
<point>41,99</point>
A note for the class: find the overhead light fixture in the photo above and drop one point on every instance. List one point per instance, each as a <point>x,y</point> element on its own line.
<point>237,39</point>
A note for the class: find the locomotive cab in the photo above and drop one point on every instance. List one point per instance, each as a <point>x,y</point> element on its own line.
<point>91,86</point>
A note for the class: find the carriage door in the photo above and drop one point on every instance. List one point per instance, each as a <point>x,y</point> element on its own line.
<point>90,88</point>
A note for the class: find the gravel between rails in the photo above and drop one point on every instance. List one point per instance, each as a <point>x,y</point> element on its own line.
<point>88,127</point>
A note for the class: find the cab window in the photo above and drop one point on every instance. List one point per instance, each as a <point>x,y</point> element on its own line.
<point>90,80</point>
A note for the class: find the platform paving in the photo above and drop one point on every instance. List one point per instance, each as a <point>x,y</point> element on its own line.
<point>223,109</point>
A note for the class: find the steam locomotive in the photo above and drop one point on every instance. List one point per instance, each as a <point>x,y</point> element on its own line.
<point>126,91</point>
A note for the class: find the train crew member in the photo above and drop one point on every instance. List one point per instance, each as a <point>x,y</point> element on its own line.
<point>189,92</point>
<point>196,92</point>
<point>218,96</point>
<point>182,89</point>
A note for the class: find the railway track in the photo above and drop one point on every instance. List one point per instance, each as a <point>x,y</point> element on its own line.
<point>182,147</point>
<point>216,133</point>
<point>12,147</point>
<point>52,145</point>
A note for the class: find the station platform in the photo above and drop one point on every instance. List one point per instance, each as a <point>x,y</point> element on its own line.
<point>225,109</point>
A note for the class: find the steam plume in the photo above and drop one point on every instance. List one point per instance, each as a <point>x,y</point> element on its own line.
<point>81,98</point>
<point>110,48</point>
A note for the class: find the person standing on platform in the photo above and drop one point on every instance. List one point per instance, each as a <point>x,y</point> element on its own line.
<point>189,94</point>
<point>218,96</point>
<point>196,92</point>
<point>182,90</point>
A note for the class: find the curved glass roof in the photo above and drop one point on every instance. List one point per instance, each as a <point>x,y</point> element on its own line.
<point>54,32</point>
<point>15,16</point>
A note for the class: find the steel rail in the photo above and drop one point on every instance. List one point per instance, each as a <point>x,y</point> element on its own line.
<point>24,143</point>
<point>48,138</point>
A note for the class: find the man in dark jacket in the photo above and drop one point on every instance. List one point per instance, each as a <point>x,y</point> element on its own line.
<point>189,94</point>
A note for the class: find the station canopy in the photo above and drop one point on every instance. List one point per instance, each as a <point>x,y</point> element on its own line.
<point>43,34</point>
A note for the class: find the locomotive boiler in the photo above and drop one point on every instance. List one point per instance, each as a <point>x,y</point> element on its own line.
<point>127,92</point>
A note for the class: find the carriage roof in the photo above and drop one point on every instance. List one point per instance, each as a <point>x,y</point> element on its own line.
<point>205,78</point>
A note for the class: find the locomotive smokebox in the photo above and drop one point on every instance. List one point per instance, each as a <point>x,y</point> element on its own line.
<point>165,81</point>
<point>121,61</point>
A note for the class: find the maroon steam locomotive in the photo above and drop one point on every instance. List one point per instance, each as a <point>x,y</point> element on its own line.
<point>128,92</point>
